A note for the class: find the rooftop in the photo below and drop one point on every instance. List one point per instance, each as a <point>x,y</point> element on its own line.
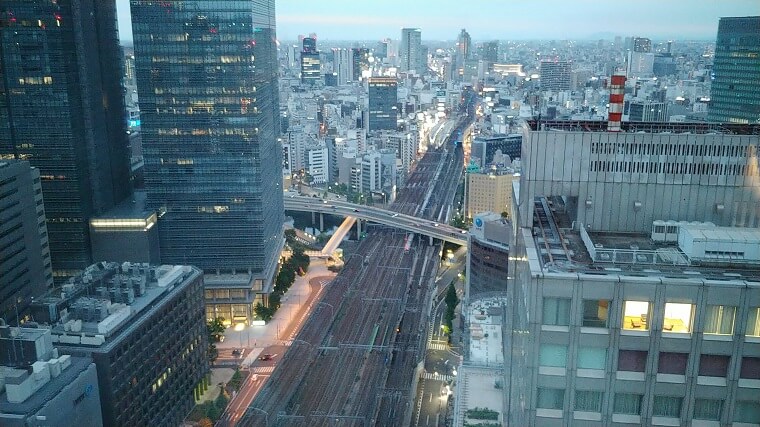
<point>101,305</point>
<point>485,318</point>
<point>563,246</point>
<point>643,127</point>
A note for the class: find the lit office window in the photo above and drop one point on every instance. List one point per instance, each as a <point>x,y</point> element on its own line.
<point>553,355</point>
<point>713,365</point>
<point>747,412</point>
<point>590,401</point>
<point>595,313</point>
<point>667,406</point>
<point>550,398</point>
<point>707,409</point>
<point>678,317</point>
<point>636,315</point>
<point>592,357</point>
<point>719,319</point>
<point>753,323</point>
<point>627,403</point>
<point>556,311</point>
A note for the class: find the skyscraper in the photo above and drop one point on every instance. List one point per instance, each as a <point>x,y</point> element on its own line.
<point>411,50</point>
<point>736,72</point>
<point>24,254</point>
<point>464,45</point>
<point>383,112</point>
<point>360,61</point>
<point>62,109</point>
<point>311,68</point>
<point>342,65</point>
<point>209,101</point>
<point>642,44</point>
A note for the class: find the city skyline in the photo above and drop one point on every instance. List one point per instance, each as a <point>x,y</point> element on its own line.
<point>548,19</point>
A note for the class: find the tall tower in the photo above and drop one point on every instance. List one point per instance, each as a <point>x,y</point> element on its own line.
<point>342,65</point>
<point>213,166</point>
<point>464,45</point>
<point>62,109</point>
<point>736,72</point>
<point>383,94</point>
<point>411,50</point>
<point>360,56</point>
<point>311,68</point>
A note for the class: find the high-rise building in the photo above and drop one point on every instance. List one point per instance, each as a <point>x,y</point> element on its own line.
<point>360,63</point>
<point>311,67</point>
<point>309,45</point>
<point>25,256</point>
<point>63,111</point>
<point>383,111</point>
<point>464,45</point>
<point>411,50</point>
<point>647,111</point>
<point>210,116</point>
<point>735,87</point>
<point>489,191</point>
<point>556,75</point>
<point>642,44</point>
<point>640,64</point>
<point>342,65</point>
<point>145,329</point>
<point>624,313</point>
<point>489,51</point>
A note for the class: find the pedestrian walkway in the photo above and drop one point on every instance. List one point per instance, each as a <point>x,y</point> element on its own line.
<point>438,346</point>
<point>262,369</point>
<point>439,377</point>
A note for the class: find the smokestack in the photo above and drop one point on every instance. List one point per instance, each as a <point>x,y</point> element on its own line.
<point>617,91</point>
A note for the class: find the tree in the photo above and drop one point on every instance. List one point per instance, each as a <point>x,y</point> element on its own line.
<point>451,300</point>
<point>451,296</point>
<point>505,214</point>
<point>205,422</point>
<point>215,329</point>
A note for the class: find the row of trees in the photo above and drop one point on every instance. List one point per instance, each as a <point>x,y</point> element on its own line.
<point>451,300</point>
<point>298,263</point>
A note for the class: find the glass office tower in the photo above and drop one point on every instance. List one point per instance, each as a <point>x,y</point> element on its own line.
<point>736,72</point>
<point>207,82</point>
<point>62,109</point>
<point>383,111</point>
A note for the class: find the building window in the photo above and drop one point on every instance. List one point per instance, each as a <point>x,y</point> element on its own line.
<point>753,323</point>
<point>719,319</point>
<point>550,398</point>
<point>556,311</point>
<point>747,412</point>
<point>667,406</point>
<point>672,363</point>
<point>590,401</point>
<point>750,368</point>
<point>713,365</point>
<point>595,313</point>
<point>636,315</point>
<point>592,358</point>
<point>553,355</point>
<point>627,403</point>
<point>632,360</point>
<point>678,317</point>
<point>707,409</point>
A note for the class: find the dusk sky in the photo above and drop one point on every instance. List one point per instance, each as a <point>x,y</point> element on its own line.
<point>504,20</point>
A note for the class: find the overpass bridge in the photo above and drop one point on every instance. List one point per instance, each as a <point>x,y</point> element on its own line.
<point>408,223</point>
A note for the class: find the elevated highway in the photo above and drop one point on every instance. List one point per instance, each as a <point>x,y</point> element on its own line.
<point>409,223</point>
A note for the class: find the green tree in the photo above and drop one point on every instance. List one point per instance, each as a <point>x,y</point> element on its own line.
<point>215,329</point>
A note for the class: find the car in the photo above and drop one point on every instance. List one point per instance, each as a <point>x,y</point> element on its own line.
<point>356,210</point>
<point>394,215</point>
<point>324,201</point>
<point>266,357</point>
<point>435,224</point>
<point>236,352</point>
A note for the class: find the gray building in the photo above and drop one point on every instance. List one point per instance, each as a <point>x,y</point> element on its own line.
<point>735,85</point>
<point>646,172</point>
<point>383,111</point>
<point>647,111</point>
<point>145,329</point>
<point>210,116</point>
<point>617,317</point>
<point>411,51</point>
<point>42,388</point>
<point>556,75</point>
<point>484,148</point>
<point>65,114</point>
<point>487,256</point>
<point>24,253</point>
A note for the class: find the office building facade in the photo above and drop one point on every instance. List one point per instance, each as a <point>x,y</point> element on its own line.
<point>25,265</point>
<point>383,111</point>
<point>411,51</point>
<point>64,113</point>
<point>735,89</point>
<point>210,115</point>
<point>555,75</point>
<point>360,62</point>
<point>489,191</point>
<point>145,329</point>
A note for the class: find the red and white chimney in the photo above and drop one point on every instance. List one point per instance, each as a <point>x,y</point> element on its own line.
<point>617,92</point>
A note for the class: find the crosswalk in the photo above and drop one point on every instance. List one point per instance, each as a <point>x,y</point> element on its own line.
<point>437,346</point>
<point>263,369</point>
<point>439,377</point>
